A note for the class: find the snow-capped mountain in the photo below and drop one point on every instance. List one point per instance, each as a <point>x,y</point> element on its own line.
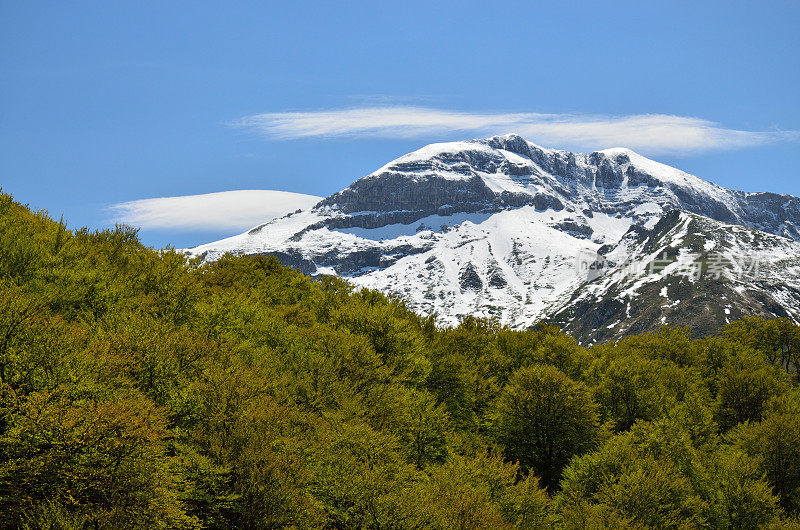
<point>503,228</point>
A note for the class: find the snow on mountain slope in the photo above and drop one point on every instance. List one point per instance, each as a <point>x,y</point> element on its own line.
<point>512,266</point>
<point>688,270</point>
<point>500,227</point>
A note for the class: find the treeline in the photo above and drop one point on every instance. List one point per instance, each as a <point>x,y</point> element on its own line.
<point>139,390</point>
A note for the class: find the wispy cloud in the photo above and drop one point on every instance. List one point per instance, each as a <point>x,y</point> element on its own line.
<point>227,210</point>
<point>648,133</point>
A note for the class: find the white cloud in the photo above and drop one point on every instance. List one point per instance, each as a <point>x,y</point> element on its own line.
<point>648,133</point>
<point>227,210</point>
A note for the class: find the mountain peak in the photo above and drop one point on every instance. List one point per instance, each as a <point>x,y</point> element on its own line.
<point>615,151</point>
<point>508,171</point>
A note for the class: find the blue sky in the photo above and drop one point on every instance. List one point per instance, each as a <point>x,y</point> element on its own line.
<point>107,102</point>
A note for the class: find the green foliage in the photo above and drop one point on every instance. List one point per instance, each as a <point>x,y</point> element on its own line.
<point>481,491</point>
<point>745,500</point>
<point>774,443</point>
<point>746,384</point>
<point>142,390</point>
<point>777,339</point>
<point>544,419</point>
<point>632,388</point>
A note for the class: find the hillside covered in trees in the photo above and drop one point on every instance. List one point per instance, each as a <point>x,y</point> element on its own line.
<point>142,390</point>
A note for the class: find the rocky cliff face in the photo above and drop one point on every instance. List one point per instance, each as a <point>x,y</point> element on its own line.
<point>502,227</point>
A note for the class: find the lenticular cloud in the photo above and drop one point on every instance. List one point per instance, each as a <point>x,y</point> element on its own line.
<point>648,133</point>
<point>234,210</point>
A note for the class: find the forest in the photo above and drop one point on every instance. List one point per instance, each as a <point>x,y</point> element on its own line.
<point>139,389</point>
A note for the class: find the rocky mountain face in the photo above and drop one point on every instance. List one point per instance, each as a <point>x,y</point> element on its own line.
<point>599,243</point>
<point>687,270</point>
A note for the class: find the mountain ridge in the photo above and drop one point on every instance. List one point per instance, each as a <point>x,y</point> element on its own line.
<point>497,227</point>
